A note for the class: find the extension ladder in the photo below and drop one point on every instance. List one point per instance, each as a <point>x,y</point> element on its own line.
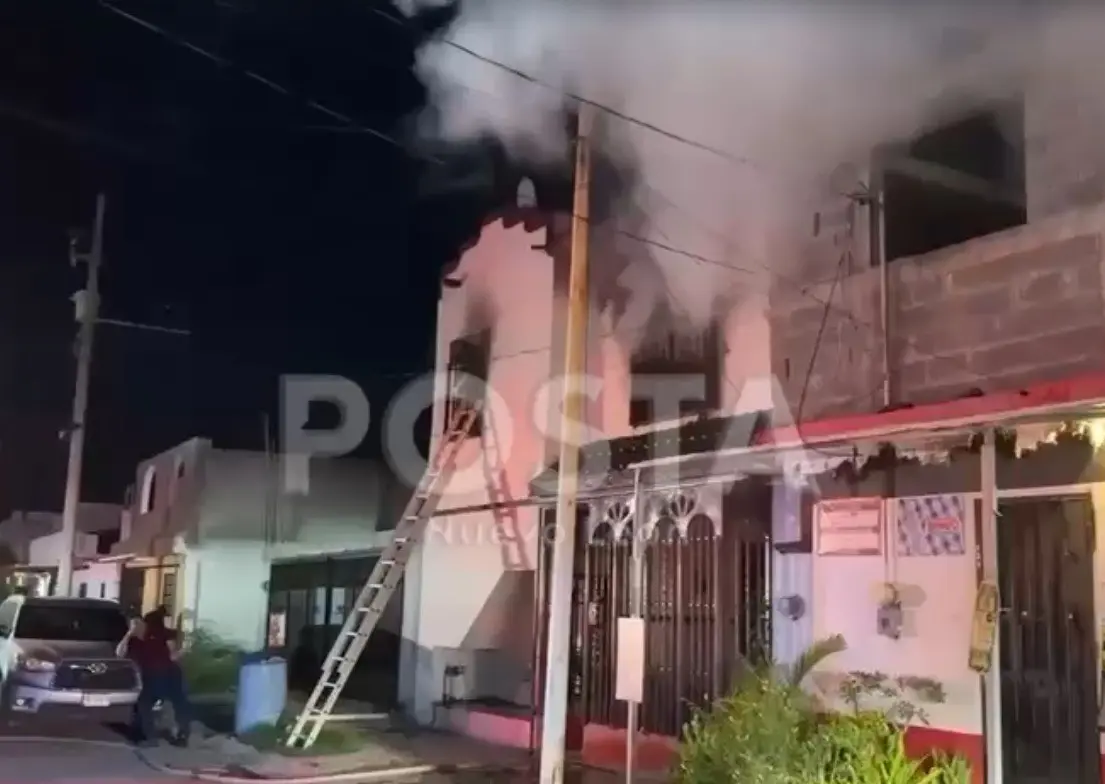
<point>382,582</point>
<point>503,510</point>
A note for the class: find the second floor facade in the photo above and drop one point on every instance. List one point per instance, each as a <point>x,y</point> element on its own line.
<point>989,242</point>
<point>197,495</point>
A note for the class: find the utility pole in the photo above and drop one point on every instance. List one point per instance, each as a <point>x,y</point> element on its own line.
<point>87,306</point>
<point>554,723</point>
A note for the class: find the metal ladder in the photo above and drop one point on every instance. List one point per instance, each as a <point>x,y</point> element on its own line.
<point>382,582</point>
<point>503,510</point>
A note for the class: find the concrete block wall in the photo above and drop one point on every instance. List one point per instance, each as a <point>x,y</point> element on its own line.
<point>1014,308</point>
<point>830,282</point>
<point>1019,307</point>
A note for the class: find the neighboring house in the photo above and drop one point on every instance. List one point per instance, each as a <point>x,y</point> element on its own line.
<point>995,308</point>
<point>213,536</point>
<point>20,528</point>
<point>37,542</point>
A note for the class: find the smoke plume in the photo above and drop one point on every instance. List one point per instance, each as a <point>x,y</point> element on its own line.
<point>785,92</point>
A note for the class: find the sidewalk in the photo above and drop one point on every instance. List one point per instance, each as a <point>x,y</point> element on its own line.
<point>385,751</point>
<point>382,747</point>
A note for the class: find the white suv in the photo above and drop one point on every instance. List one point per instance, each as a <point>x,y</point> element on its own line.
<point>57,658</point>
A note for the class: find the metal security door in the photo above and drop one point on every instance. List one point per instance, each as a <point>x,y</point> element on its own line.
<point>609,565</point>
<point>1048,641</point>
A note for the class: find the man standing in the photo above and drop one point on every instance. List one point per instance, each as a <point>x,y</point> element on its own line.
<point>153,647</point>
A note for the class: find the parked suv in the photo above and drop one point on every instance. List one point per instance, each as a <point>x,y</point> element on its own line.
<point>57,656</point>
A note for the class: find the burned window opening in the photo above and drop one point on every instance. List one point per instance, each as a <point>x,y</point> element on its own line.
<point>468,371</point>
<point>959,181</point>
<point>674,349</point>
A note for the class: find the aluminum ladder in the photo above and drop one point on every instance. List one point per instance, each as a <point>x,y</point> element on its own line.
<point>382,582</point>
<point>503,508</point>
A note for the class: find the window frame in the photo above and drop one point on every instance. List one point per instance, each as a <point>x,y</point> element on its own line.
<point>469,354</point>
<point>707,363</point>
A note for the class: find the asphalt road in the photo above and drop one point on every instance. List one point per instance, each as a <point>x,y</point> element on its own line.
<point>73,753</point>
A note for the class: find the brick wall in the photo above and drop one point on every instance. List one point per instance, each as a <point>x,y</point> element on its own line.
<point>999,312</point>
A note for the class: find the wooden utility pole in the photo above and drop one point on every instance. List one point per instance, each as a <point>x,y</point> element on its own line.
<point>87,302</point>
<point>557,656</point>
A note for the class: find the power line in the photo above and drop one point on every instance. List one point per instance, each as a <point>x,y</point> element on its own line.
<point>354,126</point>
<point>740,160</point>
<point>223,62</point>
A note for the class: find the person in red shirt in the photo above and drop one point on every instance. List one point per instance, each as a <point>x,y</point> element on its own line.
<point>153,647</point>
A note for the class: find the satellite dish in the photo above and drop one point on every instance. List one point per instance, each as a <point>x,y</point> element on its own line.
<point>526,197</point>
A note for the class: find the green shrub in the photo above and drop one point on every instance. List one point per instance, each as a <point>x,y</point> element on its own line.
<point>868,748</point>
<point>210,664</point>
<point>336,738</point>
<point>769,731</point>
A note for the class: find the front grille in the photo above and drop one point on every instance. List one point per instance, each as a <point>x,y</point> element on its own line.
<point>85,675</point>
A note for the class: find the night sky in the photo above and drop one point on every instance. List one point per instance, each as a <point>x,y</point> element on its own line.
<point>283,243</point>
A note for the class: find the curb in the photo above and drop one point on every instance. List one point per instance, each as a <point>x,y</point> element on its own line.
<point>370,775</point>
<point>107,744</point>
<point>200,774</point>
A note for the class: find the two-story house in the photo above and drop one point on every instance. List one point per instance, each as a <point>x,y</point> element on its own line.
<point>973,296</point>
<point>214,536</point>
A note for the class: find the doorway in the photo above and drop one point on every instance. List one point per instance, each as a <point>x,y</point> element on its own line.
<point>132,583</point>
<point>1049,657</point>
<point>312,597</point>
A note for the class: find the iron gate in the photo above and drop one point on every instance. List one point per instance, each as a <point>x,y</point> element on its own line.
<point>1049,661</point>
<point>705,593</point>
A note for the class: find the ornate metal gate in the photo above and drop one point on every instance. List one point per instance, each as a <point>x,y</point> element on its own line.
<point>704,585</point>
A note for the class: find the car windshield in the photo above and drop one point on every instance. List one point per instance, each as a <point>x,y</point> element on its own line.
<point>70,623</point>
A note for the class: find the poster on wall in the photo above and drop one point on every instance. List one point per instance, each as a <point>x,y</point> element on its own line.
<point>931,525</point>
<point>278,629</point>
<point>849,526</point>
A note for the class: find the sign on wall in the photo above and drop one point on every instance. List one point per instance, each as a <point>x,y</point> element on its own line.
<point>931,525</point>
<point>850,526</point>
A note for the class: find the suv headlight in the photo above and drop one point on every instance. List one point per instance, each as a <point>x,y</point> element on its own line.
<point>37,665</point>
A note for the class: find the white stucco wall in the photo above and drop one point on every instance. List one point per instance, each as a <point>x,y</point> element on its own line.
<point>470,594</point>
<point>223,512</point>
<point>101,580</point>
<point>20,528</point>
<point>938,594</point>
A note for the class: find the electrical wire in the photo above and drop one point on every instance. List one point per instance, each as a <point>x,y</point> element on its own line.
<point>252,75</point>
<point>646,125</point>
<point>844,257</point>
<point>353,125</point>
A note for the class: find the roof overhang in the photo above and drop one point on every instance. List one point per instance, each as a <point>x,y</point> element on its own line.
<point>1081,397</point>
<point>606,465</point>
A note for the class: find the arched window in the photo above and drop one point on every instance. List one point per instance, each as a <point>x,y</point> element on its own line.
<point>149,490</point>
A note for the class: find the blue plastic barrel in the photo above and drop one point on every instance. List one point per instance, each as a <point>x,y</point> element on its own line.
<point>262,691</point>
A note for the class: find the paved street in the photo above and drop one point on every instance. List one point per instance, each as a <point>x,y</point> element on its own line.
<point>87,753</point>
<point>83,753</point>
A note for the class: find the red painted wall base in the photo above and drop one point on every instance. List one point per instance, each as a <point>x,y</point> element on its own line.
<point>605,747</point>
